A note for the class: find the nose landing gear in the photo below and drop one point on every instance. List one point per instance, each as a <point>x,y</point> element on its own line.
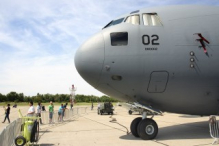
<point>134,126</point>
<point>145,128</point>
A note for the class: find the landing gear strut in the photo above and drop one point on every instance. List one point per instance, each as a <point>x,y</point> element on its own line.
<point>145,128</point>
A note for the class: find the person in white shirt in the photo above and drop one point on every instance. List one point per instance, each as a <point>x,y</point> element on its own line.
<point>38,113</point>
<point>31,110</point>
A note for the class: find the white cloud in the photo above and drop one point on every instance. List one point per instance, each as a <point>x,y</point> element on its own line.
<point>39,76</point>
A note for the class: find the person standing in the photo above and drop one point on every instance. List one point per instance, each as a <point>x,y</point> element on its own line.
<point>51,109</point>
<point>98,108</point>
<point>43,107</point>
<point>60,111</point>
<point>64,108</point>
<point>71,104</point>
<point>38,114</point>
<point>31,110</point>
<point>92,105</point>
<point>7,112</point>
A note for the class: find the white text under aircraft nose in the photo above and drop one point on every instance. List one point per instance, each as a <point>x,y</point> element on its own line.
<point>89,59</point>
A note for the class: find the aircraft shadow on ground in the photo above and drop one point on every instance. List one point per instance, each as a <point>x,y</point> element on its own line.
<point>190,116</point>
<point>197,130</point>
<point>107,115</point>
<point>136,114</point>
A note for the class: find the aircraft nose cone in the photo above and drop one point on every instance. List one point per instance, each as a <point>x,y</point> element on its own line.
<point>89,59</point>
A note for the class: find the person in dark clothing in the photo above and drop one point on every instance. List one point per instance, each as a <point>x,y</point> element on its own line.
<point>38,113</point>
<point>64,108</point>
<point>7,112</point>
<point>15,105</point>
<point>43,108</point>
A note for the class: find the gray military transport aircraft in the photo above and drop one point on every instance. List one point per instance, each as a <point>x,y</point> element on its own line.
<point>162,59</point>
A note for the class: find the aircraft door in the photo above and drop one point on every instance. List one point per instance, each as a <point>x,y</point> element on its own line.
<point>153,51</point>
<point>158,81</point>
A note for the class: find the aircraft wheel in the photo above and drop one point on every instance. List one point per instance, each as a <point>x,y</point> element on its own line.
<point>147,129</point>
<point>130,112</point>
<point>134,126</point>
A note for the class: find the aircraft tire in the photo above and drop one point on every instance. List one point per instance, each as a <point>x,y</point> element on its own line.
<point>134,126</point>
<point>147,129</point>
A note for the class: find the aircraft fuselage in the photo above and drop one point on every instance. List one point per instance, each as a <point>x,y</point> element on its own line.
<point>172,66</point>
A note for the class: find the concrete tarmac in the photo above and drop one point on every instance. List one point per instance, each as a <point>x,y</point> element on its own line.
<point>96,130</point>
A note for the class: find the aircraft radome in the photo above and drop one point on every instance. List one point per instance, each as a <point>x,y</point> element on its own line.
<point>162,59</point>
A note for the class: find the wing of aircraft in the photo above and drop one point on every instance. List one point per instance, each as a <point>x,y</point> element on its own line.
<point>162,59</point>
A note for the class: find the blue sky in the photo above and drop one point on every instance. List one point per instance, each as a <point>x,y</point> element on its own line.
<point>38,40</point>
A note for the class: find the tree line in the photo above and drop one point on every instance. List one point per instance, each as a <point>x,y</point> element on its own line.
<point>20,97</point>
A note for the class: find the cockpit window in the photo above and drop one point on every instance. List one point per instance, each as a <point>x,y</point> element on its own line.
<point>119,38</point>
<point>114,22</point>
<point>151,19</point>
<point>134,19</point>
